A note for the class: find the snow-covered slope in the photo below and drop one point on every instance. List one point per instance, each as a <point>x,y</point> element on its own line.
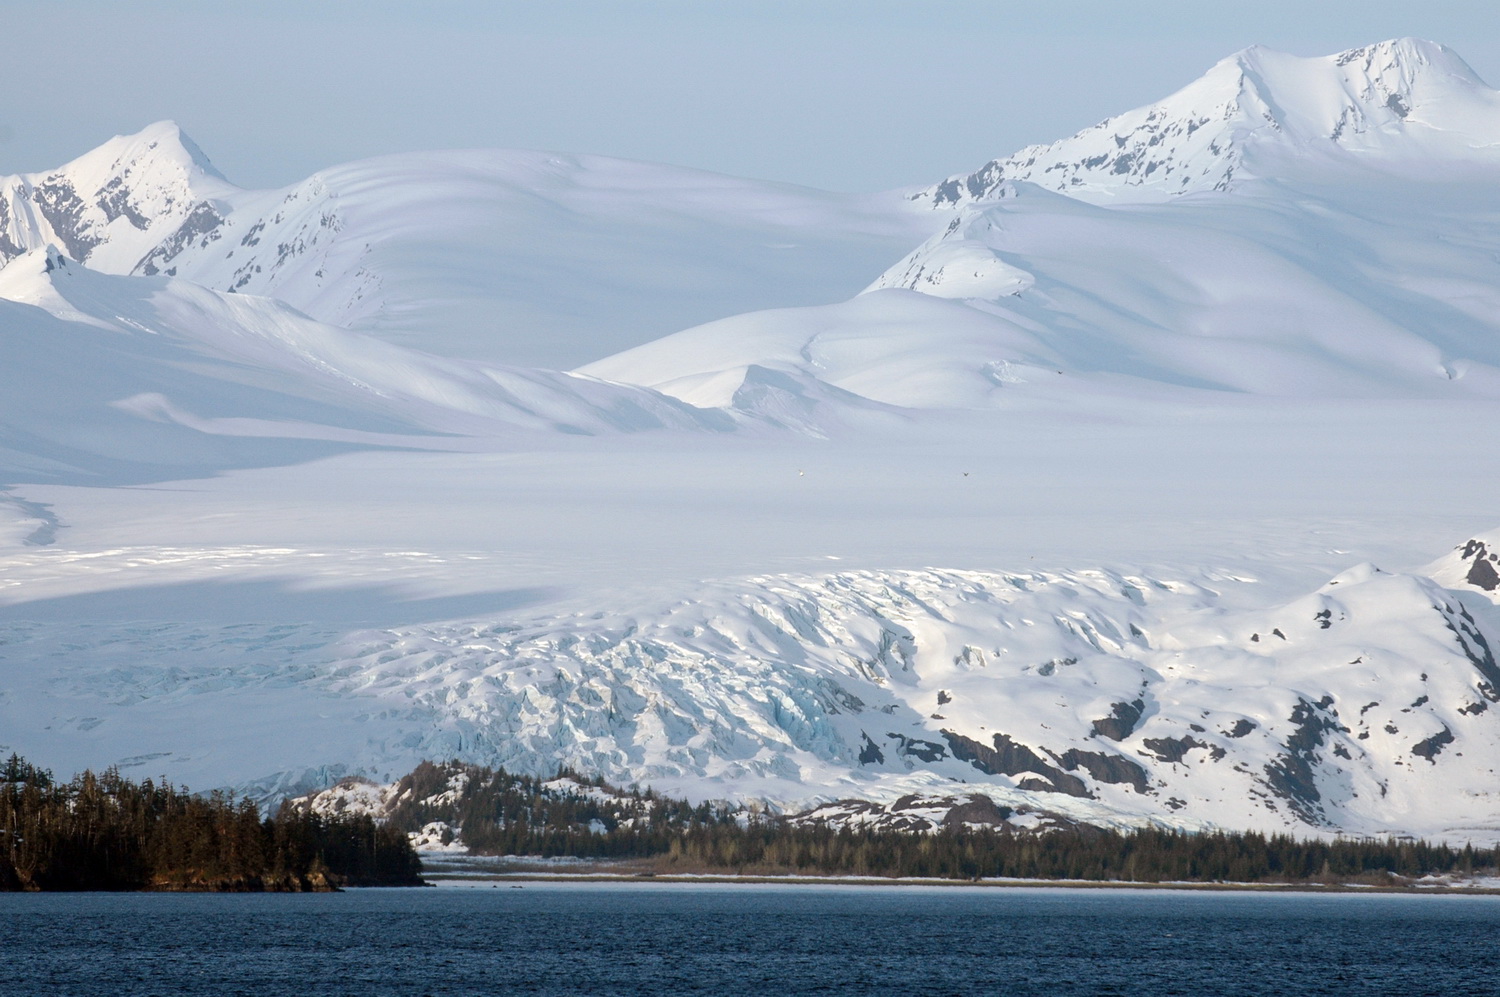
<point>1406,106</point>
<point>1348,286</point>
<point>149,375</point>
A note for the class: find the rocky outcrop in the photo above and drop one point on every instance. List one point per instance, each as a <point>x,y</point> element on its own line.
<point>1008,757</point>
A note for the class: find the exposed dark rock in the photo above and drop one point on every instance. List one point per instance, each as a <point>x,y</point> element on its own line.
<point>60,204</point>
<point>1121,721</point>
<point>1051,667</point>
<point>1172,749</point>
<point>1476,648</point>
<point>1241,728</point>
<point>1105,767</point>
<point>1325,618</point>
<point>837,699</point>
<point>1009,758</point>
<point>891,818</point>
<point>1431,747</point>
<point>943,698</point>
<point>910,747</point>
<point>202,225</point>
<point>977,809</point>
<point>1291,775</point>
<point>114,200</point>
<point>1482,573</point>
<point>870,754</point>
<point>9,249</point>
<point>1474,709</point>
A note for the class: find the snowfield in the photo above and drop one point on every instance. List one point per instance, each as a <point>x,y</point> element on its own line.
<point>1062,483</point>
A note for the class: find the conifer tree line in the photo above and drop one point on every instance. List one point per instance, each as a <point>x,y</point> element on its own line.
<point>499,813</point>
<point>105,832</point>
<point>1146,855</point>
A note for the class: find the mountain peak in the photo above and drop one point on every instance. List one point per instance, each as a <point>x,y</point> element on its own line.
<point>160,153</point>
<point>112,205</point>
<point>1267,109</point>
<point>164,141</point>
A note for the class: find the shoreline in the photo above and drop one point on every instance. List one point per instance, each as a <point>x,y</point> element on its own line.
<point>522,878</point>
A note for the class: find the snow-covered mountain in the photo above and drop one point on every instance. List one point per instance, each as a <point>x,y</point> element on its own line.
<point>1356,255</point>
<point>1406,106</point>
<point>1378,290</point>
<point>1072,507</point>
<point>112,207</point>
<point>507,257</point>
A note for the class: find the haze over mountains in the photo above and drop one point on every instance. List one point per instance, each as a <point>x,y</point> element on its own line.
<point>1056,482</point>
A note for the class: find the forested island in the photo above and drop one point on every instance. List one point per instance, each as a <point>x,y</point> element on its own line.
<point>105,832</point>
<point>495,812</point>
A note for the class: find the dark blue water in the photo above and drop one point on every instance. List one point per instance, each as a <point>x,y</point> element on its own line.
<point>647,939</point>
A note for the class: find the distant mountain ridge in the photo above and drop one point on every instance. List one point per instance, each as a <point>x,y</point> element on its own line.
<point>1282,226</point>
<point>1366,101</point>
<point>511,257</point>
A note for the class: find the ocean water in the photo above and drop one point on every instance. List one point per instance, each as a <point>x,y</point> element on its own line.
<point>764,940</point>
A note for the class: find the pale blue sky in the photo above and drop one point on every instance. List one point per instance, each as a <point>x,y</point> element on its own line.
<point>844,95</point>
